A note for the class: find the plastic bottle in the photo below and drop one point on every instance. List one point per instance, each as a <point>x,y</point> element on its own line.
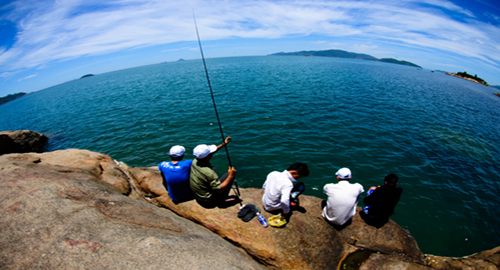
<point>262,220</point>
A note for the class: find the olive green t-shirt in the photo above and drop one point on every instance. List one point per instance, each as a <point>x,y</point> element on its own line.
<point>203,181</point>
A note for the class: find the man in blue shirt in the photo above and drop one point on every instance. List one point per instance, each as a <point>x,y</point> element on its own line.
<point>176,175</point>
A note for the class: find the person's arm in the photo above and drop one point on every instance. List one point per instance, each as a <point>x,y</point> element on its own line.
<point>226,142</point>
<point>369,198</point>
<point>231,174</point>
<point>285,202</point>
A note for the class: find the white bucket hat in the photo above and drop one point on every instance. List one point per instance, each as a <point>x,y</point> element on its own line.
<point>203,150</point>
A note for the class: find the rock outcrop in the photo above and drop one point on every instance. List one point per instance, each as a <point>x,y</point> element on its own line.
<point>66,210</point>
<point>22,141</point>
<point>80,209</point>
<point>489,259</point>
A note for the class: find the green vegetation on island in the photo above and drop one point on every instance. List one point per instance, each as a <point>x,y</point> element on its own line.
<point>346,54</point>
<point>87,75</point>
<point>11,97</point>
<point>466,76</point>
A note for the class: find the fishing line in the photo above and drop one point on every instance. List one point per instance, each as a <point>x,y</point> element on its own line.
<point>215,105</point>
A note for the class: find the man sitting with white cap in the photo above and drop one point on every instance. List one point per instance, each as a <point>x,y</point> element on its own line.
<point>176,175</point>
<point>342,198</point>
<point>208,189</point>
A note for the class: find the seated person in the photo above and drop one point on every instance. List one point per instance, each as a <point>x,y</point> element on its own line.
<point>176,175</point>
<point>208,189</point>
<point>342,198</point>
<point>278,186</point>
<point>380,201</point>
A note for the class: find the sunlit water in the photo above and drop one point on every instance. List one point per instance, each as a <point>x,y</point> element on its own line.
<point>437,132</point>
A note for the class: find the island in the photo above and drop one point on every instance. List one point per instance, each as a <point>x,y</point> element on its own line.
<point>87,75</point>
<point>464,75</point>
<point>346,54</point>
<point>11,97</point>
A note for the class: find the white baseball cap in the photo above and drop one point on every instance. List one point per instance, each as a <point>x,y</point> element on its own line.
<point>344,173</point>
<point>203,150</point>
<point>177,151</point>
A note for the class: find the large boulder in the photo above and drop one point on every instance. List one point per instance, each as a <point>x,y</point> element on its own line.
<point>66,210</point>
<point>22,141</point>
<point>306,242</point>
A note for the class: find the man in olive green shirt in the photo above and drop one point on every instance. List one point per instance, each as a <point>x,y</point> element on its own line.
<point>208,188</point>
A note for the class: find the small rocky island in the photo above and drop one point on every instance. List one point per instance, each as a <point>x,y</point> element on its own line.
<point>78,209</point>
<point>87,75</point>
<point>464,75</point>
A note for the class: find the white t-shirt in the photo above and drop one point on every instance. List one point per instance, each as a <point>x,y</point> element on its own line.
<point>277,188</point>
<point>342,200</point>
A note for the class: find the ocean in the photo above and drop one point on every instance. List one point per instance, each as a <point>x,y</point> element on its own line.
<point>438,133</point>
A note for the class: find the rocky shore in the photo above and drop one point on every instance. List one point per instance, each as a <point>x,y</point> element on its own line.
<point>77,209</point>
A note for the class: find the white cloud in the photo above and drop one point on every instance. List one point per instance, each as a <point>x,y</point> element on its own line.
<point>30,76</point>
<point>67,29</point>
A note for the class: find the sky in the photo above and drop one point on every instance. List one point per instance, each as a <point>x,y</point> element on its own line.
<point>45,43</point>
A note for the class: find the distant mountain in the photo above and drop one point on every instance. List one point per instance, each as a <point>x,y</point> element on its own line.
<point>11,97</point>
<point>331,53</point>
<point>399,62</point>
<point>346,54</point>
<point>496,86</point>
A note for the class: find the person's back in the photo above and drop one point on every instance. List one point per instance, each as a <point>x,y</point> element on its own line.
<point>278,187</point>
<point>342,198</point>
<point>176,175</point>
<point>203,180</point>
<point>381,201</point>
<point>208,189</point>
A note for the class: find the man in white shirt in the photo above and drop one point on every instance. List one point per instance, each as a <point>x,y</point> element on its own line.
<point>342,198</point>
<point>278,186</point>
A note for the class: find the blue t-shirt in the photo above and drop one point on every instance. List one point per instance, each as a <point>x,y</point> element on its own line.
<point>176,179</point>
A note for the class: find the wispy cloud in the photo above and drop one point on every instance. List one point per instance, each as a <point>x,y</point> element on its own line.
<point>30,76</point>
<point>60,30</point>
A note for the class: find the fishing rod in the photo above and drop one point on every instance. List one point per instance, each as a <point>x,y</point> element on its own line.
<point>237,190</point>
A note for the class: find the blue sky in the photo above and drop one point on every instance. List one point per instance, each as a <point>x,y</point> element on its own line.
<point>45,43</point>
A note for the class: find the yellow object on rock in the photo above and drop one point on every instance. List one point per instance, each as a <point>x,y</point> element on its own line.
<point>277,221</point>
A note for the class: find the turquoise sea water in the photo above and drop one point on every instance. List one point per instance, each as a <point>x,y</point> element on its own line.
<point>437,132</point>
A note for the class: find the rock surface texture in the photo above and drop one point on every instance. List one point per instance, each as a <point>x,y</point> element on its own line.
<point>77,209</point>
<point>66,210</point>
